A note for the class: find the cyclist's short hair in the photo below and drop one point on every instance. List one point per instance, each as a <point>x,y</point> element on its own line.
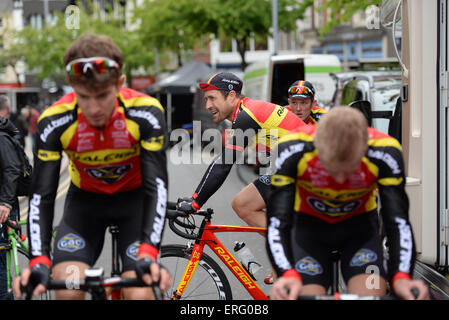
<point>341,134</point>
<point>92,45</point>
<point>226,94</point>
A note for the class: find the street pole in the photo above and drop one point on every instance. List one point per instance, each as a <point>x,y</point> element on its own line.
<point>274,13</point>
<point>46,11</point>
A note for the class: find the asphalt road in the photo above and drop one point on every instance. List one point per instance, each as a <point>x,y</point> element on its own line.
<point>183,179</point>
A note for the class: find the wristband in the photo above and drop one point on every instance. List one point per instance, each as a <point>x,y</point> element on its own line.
<point>195,205</point>
<point>292,273</point>
<point>149,250</point>
<point>40,260</point>
<point>400,275</point>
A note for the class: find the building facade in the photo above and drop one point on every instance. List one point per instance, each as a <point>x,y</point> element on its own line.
<point>362,39</point>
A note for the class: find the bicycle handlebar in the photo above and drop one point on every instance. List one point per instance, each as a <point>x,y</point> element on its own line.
<point>173,214</point>
<point>13,225</point>
<point>97,284</point>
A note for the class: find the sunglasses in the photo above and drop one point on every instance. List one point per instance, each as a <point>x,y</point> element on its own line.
<point>79,67</point>
<point>300,90</point>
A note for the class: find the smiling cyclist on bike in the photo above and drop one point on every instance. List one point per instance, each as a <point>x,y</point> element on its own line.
<point>115,139</point>
<point>324,199</point>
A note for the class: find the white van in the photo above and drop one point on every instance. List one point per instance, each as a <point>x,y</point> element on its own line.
<point>269,79</point>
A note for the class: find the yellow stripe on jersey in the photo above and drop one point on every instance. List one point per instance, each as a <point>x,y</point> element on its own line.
<point>133,129</point>
<point>341,195</point>
<point>142,102</point>
<point>68,134</point>
<point>57,109</point>
<point>385,142</point>
<point>104,156</point>
<point>275,118</point>
<point>297,204</point>
<point>155,144</point>
<point>47,155</point>
<point>371,166</point>
<point>302,164</point>
<point>74,174</point>
<point>390,181</point>
<point>371,204</point>
<point>278,180</point>
<point>296,136</point>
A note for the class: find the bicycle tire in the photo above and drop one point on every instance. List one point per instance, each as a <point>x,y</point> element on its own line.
<point>209,281</point>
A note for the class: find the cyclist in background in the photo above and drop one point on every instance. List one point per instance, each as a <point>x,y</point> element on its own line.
<point>115,139</point>
<point>301,101</point>
<point>250,119</point>
<point>324,199</point>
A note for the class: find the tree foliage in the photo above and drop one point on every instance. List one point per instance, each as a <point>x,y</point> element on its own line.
<point>340,11</point>
<point>169,23</point>
<point>43,50</point>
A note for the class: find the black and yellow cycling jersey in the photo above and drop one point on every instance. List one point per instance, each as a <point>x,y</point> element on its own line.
<point>255,124</point>
<point>127,153</point>
<point>301,186</point>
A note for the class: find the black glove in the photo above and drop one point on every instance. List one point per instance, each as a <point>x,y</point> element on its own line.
<point>185,205</point>
<point>143,266</point>
<point>40,274</point>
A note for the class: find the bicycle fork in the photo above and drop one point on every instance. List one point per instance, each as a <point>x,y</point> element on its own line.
<point>195,257</point>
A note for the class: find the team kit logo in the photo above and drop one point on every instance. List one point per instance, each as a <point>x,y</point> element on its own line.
<point>310,266</point>
<point>109,174</point>
<point>333,208</point>
<point>71,243</point>
<point>132,250</point>
<point>362,257</point>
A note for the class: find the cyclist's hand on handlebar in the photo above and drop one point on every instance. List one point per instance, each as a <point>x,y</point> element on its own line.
<point>403,289</point>
<point>32,281</point>
<point>286,288</point>
<point>152,272</point>
<point>186,205</point>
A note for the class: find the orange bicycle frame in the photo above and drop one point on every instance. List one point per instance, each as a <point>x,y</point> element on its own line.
<point>208,238</point>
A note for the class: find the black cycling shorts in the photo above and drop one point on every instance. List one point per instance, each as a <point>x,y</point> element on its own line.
<point>80,235</point>
<point>357,240</point>
<point>263,185</point>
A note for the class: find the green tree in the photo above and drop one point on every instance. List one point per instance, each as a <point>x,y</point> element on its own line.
<point>340,11</point>
<point>169,23</point>
<point>43,50</point>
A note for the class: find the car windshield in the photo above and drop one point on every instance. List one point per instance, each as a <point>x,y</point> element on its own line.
<point>384,98</point>
<point>386,94</point>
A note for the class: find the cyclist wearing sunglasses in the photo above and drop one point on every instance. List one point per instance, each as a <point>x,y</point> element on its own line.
<point>115,139</point>
<point>323,198</point>
<point>301,100</point>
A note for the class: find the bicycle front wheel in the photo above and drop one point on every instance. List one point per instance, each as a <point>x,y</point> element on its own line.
<point>208,282</point>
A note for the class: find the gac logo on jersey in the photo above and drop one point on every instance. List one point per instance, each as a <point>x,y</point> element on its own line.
<point>362,257</point>
<point>132,250</point>
<point>109,174</point>
<point>71,243</point>
<point>333,208</point>
<point>310,266</point>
